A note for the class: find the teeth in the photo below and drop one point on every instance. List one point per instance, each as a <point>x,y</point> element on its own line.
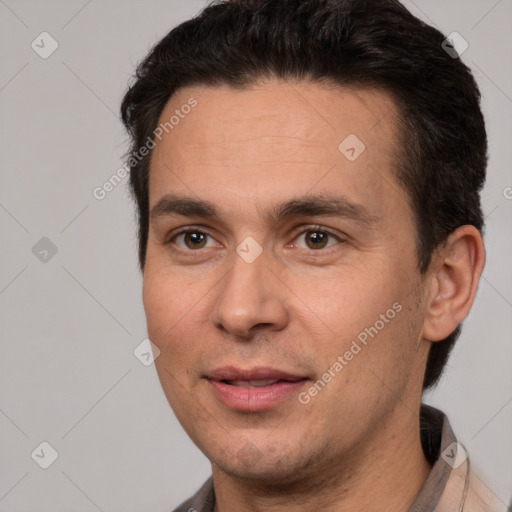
<point>252,383</point>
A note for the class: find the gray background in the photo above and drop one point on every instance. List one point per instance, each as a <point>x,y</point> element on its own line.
<point>69,324</point>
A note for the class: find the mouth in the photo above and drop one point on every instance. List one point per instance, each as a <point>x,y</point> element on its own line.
<point>253,389</point>
<point>251,384</point>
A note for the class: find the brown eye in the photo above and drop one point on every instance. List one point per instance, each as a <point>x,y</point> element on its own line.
<point>193,240</point>
<point>316,239</point>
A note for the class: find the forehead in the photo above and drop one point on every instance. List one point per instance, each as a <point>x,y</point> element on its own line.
<point>262,142</point>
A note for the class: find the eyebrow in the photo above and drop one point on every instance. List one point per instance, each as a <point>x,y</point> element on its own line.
<point>310,205</point>
<point>171,204</point>
<point>317,205</point>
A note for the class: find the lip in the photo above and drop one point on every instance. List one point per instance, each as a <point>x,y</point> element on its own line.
<point>256,373</point>
<point>256,398</point>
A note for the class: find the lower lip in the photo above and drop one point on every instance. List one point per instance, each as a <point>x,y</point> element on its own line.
<point>257,398</point>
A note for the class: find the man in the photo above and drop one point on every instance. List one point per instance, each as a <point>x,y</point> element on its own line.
<point>307,177</point>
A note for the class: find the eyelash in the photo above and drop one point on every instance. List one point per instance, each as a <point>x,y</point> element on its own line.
<point>307,229</point>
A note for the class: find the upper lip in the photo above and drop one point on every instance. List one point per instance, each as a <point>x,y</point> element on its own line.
<point>247,374</point>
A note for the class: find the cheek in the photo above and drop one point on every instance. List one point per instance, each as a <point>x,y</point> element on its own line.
<point>158,305</point>
<point>168,313</point>
<point>177,315</point>
<point>347,302</point>
<point>171,291</point>
<point>372,361</point>
<point>168,297</point>
<point>371,321</point>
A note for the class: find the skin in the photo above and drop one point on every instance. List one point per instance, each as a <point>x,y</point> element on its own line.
<point>297,307</point>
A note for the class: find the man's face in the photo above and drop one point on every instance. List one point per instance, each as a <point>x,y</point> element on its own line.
<point>300,254</point>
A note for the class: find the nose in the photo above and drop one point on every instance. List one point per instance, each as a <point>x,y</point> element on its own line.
<point>250,298</point>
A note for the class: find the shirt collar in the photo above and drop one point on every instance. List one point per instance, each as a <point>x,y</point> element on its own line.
<point>436,435</point>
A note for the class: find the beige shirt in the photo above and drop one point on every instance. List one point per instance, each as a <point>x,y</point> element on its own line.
<point>452,486</point>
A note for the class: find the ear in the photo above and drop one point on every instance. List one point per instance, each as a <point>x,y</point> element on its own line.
<point>453,277</point>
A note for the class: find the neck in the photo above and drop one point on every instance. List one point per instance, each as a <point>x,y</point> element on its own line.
<point>385,473</point>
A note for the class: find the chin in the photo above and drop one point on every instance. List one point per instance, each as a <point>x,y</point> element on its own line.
<point>266,474</point>
<point>269,468</point>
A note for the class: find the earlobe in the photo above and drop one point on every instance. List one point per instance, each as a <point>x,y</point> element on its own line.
<point>455,272</point>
